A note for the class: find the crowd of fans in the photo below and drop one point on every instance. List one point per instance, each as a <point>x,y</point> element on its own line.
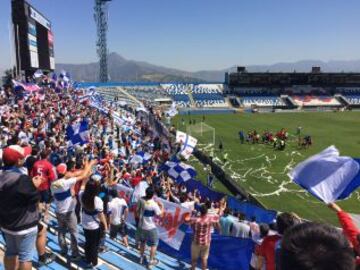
<point>40,166</point>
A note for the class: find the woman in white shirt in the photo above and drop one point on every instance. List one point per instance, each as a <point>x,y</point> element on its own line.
<point>92,218</point>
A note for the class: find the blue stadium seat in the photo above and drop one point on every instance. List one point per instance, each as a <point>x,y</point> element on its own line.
<point>353,99</point>
<point>262,101</point>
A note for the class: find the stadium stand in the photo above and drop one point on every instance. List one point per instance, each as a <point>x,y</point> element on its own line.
<point>256,91</point>
<point>348,90</point>
<point>238,247</point>
<point>178,93</point>
<point>350,94</point>
<point>262,101</point>
<point>353,100</point>
<point>208,95</point>
<point>146,93</point>
<point>316,101</point>
<point>117,255</point>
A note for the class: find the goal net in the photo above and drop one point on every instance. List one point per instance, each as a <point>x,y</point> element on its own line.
<point>203,132</point>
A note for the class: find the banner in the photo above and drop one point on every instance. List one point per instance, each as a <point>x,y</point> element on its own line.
<point>188,143</point>
<point>226,252</point>
<point>252,211</point>
<point>169,225</point>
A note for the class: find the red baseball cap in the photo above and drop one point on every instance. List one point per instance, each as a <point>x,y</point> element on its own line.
<point>12,154</point>
<point>61,168</point>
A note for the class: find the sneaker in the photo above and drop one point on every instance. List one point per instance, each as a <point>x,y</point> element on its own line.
<point>103,249</point>
<point>153,262</point>
<point>75,258</point>
<point>46,258</point>
<point>88,266</point>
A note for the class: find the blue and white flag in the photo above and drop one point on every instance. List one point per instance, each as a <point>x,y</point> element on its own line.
<point>98,106</point>
<point>179,171</point>
<point>38,74</point>
<point>54,77</point>
<point>65,76</point>
<point>187,142</point>
<point>327,175</point>
<point>140,158</point>
<point>78,133</point>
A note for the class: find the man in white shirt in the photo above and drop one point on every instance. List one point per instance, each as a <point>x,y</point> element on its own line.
<point>117,214</point>
<point>65,206</point>
<point>240,228</point>
<point>148,209</point>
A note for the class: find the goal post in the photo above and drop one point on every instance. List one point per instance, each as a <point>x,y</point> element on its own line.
<point>204,133</point>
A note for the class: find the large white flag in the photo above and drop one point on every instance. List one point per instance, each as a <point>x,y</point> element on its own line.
<point>187,142</point>
<point>169,225</point>
<point>327,175</point>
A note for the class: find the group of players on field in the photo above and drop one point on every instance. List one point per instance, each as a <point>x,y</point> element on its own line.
<point>278,139</point>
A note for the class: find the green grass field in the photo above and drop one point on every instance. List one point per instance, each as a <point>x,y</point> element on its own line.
<point>262,171</point>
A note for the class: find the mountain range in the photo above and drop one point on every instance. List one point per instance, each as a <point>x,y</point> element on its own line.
<point>122,69</point>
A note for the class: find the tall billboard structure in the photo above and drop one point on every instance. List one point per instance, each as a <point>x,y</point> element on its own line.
<point>33,39</point>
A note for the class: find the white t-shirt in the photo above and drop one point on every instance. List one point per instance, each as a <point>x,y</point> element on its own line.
<point>189,205</point>
<point>116,209</point>
<point>23,136</point>
<point>151,209</point>
<point>62,188</point>
<point>91,222</point>
<point>240,229</point>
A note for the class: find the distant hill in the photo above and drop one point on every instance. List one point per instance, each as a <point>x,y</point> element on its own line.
<point>122,69</point>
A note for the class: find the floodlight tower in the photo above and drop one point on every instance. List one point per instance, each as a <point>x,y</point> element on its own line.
<point>101,20</point>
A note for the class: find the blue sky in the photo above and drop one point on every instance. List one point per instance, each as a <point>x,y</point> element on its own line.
<point>202,34</point>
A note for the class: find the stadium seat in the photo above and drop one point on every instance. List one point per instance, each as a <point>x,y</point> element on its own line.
<point>262,101</point>
<point>208,95</point>
<point>353,99</point>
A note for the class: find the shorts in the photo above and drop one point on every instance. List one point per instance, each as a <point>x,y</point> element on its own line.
<point>199,251</point>
<point>20,245</point>
<point>45,196</point>
<point>150,237</point>
<point>120,228</point>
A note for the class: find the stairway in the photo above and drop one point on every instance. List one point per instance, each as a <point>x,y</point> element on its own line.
<point>128,95</point>
<point>191,98</point>
<point>289,101</point>
<point>117,256</point>
<point>342,100</point>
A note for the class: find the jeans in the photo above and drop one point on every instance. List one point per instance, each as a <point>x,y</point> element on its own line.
<point>68,222</point>
<point>21,245</point>
<point>92,239</point>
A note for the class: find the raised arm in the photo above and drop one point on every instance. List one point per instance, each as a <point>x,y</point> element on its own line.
<point>350,230</point>
<point>86,172</point>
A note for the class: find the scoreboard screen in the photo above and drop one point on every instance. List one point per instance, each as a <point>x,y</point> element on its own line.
<point>34,40</point>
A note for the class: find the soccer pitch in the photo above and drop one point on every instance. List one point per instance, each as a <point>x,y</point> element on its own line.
<point>262,171</point>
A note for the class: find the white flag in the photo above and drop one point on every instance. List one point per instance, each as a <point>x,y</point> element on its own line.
<point>187,142</point>
<point>327,175</point>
